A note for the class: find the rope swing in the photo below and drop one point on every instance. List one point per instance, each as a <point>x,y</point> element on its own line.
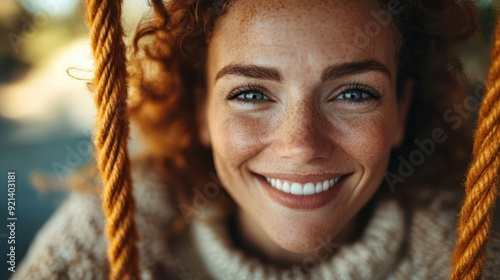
<point>112,132</point>
<point>481,185</point>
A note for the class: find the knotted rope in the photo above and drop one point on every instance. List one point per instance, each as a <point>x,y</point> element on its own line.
<point>481,186</point>
<point>110,80</point>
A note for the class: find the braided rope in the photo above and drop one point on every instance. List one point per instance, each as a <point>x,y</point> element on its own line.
<point>108,48</point>
<point>481,186</point>
<point>103,19</point>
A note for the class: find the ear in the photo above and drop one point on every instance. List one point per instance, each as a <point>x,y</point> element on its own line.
<point>202,118</point>
<point>404,102</point>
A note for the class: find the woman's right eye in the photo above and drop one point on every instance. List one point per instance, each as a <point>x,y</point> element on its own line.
<point>248,94</point>
<point>252,95</point>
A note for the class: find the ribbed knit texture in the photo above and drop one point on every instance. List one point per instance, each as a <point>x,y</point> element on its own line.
<point>397,243</point>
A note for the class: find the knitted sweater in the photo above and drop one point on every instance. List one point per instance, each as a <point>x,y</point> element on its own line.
<point>397,243</point>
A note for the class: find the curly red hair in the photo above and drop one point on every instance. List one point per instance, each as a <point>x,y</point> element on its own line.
<point>168,84</point>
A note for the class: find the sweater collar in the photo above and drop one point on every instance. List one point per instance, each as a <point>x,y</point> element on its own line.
<point>372,256</point>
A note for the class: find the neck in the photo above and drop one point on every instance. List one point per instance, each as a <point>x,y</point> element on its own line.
<point>252,238</point>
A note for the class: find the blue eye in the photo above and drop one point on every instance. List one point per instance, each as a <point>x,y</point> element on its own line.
<point>252,95</point>
<point>248,94</point>
<point>357,94</point>
<point>354,95</point>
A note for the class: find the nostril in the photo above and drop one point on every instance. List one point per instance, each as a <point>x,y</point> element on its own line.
<point>304,145</point>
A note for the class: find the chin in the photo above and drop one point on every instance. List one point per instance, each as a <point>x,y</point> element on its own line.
<point>306,234</point>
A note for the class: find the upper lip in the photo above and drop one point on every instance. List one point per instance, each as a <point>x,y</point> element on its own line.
<point>301,178</point>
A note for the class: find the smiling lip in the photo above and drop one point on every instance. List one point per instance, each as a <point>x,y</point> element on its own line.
<point>301,196</point>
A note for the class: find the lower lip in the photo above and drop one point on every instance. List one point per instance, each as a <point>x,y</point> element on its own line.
<point>301,202</point>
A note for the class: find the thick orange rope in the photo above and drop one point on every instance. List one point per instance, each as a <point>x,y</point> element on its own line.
<point>481,186</point>
<point>103,18</point>
<point>110,76</point>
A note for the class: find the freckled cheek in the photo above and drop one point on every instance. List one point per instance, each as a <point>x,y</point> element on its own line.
<point>237,139</point>
<point>368,142</point>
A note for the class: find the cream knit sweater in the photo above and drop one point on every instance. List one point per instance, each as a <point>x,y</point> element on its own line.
<point>397,243</point>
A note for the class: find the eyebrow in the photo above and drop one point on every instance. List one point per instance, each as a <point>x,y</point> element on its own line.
<point>331,72</point>
<point>250,71</point>
<point>357,67</point>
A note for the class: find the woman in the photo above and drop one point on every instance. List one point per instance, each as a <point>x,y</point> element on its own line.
<point>300,106</point>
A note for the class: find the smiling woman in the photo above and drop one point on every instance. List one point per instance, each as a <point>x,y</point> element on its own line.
<point>301,120</point>
<point>326,119</point>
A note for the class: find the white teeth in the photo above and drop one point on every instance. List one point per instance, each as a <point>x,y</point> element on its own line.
<point>302,189</point>
<point>278,185</point>
<point>326,185</point>
<point>309,189</point>
<point>286,187</point>
<point>296,188</point>
<point>319,187</point>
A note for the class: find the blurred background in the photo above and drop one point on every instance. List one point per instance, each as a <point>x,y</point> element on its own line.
<point>46,108</point>
<point>47,112</point>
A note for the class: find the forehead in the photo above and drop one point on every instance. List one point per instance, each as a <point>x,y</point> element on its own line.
<point>332,31</point>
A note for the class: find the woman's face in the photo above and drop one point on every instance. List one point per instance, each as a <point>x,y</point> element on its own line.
<point>300,117</point>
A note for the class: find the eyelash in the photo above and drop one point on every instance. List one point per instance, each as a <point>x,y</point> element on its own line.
<point>233,94</point>
<point>373,95</point>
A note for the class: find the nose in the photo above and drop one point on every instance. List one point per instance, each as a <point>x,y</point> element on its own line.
<point>302,136</point>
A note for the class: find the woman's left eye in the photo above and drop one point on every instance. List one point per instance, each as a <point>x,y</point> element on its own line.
<point>354,95</point>
<point>357,94</point>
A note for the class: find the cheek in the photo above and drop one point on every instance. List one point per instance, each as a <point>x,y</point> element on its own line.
<point>368,140</point>
<point>236,139</point>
